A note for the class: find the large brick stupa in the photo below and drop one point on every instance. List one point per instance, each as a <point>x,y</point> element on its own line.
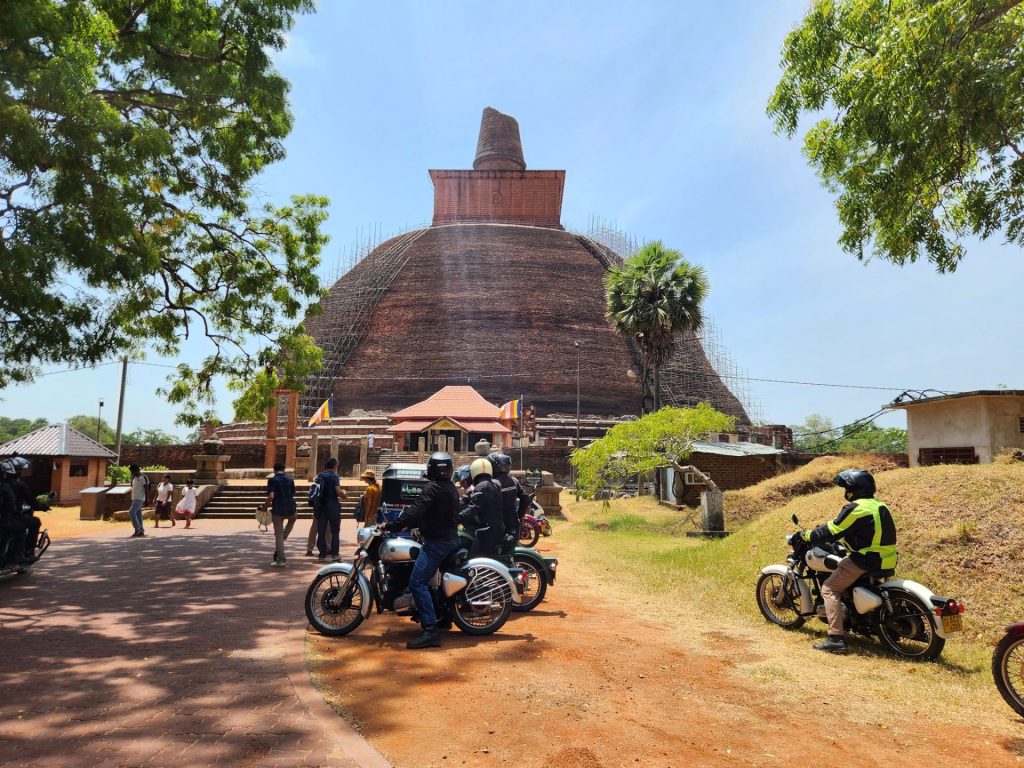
<point>494,294</point>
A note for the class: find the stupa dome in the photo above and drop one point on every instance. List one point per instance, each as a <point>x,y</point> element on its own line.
<point>495,295</point>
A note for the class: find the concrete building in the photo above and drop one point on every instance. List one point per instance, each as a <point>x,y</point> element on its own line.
<point>63,461</point>
<point>965,428</point>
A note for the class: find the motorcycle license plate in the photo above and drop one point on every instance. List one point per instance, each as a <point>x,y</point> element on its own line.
<point>952,623</point>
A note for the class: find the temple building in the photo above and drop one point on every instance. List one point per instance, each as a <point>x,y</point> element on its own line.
<point>494,271</point>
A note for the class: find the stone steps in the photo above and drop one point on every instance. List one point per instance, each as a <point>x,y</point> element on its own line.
<point>240,502</point>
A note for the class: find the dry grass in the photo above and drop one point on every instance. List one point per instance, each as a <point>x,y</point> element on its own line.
<point>63,523</point>
<point>745,504</point>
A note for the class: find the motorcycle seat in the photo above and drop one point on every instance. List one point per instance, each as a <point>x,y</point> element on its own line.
<point>455,559</point>
<point>881,575</point>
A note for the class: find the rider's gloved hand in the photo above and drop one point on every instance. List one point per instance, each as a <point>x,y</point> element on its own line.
<point>805,535</point>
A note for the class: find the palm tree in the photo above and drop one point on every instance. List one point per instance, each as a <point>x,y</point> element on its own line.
<point>652,298</point>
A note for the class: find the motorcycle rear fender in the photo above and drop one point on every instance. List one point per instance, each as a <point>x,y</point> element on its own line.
<point>502,568</point>
<point>922,593</point>
<point>548,565</point>
<point>1015,629</point>
<point>364,585</point>
<point>806,602</point>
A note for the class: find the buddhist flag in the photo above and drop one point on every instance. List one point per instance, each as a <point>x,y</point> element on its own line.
<point>323,412</point>
<point>510,410</point>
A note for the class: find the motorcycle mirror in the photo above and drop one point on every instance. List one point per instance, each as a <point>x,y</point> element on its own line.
<point>795,520</point>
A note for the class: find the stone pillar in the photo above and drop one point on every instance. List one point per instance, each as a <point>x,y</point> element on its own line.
<point>364,452</point>
<point>334,448</point>
<point>314,454</point>
<point>270,449</point>
<point>421,443</point>
<point>451,445</point>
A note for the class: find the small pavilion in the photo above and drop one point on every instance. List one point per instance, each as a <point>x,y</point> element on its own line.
<point>63,461</point>
<point>460,413</point>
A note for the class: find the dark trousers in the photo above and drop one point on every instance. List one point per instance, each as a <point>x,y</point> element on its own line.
<point>32,526</point>
<point>331,519</point>
<point>12,533</point>
<point>431,555</point>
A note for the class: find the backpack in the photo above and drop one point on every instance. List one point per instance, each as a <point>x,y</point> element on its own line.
<point>146,484</point>
<point>316,489</point>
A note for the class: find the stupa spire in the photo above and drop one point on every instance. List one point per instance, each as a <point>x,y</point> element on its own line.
<point>499,147</point>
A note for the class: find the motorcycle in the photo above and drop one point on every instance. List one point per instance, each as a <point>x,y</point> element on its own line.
<point>539,570</point>
<point>476,594</point>
<point>1008,667</point>
<point>908,618</point>
<point>533,524</point>
<point>8,563</point>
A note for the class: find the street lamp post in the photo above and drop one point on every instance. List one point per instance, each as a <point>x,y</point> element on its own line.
<point>576,483</point>
<point>99,419</point>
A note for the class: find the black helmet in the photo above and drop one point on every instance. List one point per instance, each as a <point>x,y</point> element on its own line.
<point>20,464</point>
<point>501,463</point>
<point>858,484</point>
<point>6,468</point>
<point>440,466</point>
<point>462,473</point>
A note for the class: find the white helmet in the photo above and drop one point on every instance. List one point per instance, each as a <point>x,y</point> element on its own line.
<point>480,467</point>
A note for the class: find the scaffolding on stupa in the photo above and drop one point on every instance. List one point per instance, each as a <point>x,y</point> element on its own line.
<point>368,270</point>
<point>683,383</point>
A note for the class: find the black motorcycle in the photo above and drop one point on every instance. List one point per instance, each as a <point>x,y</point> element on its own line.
<point>477,594</point>
<point>12,563</point>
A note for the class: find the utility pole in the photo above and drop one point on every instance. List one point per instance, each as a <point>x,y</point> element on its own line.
<point>120,408</point>
<point>99,420</point>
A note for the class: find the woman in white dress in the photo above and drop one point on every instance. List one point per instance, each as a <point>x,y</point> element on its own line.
<point>187,506</point>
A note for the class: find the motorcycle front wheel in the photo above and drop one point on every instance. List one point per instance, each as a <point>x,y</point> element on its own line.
<point>528,535</point>
<point>1008,671</point>
<point>484,605</point>
<point>907,628</point>
<point>776,603</point>
<point>536,585</point>
<point>333,608</point>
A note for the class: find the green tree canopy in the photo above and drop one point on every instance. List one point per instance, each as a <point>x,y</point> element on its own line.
<point>660,439</point>
<point>919,108</point>
<point>87,426</point>
<point>12,428</point>
<point>817,435</point>
<point>149,437</point>
<point>651,299</point>
<point>131,132</point>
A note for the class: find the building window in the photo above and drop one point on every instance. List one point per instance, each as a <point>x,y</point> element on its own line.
<point>79,469</point>
<point>930,456</point>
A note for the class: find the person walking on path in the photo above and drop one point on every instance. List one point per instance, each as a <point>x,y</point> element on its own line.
<point>138,499</point>
<point>187,505</point>
<point>371,497</point>
<point>328,514</point>
<point>163,502</point>
<point>281,502</point>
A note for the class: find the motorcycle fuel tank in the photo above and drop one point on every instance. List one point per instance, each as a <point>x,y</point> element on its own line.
<point>399,550</point>
<point>822,561</point>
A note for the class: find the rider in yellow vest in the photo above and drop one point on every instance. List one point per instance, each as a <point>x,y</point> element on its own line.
<point>866,527</point>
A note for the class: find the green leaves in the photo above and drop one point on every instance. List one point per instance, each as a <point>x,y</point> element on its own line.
<point>657,440</point>
<point>923,140</point>
<point>130,135</point>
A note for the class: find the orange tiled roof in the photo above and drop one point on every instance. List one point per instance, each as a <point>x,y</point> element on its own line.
<point>458,403</point>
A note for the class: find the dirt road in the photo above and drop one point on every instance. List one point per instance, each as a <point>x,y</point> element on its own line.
<point>595,679</point>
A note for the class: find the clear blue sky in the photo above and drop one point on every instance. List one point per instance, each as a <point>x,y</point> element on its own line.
<point>656,112</point>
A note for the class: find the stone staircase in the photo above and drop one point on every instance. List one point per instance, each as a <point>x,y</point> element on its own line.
<point>239,501</point>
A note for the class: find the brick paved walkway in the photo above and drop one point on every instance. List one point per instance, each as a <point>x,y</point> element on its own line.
<point>183,648</point>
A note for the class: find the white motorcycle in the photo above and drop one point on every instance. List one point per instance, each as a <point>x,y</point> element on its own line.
<point>476,594</point>
<point>907,616</point>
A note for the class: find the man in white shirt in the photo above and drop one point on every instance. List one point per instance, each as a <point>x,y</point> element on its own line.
<point>138,499</point>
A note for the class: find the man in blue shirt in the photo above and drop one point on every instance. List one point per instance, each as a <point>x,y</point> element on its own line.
<point>281,503</point>
<point>328,511</point>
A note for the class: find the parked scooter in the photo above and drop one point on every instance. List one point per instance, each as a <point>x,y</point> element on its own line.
<point>540,571</point>
<point>476,594</point>
<point>1008,667</point>
<point>905,615</point>
<point>10,563</point>
<point>533,524</point>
